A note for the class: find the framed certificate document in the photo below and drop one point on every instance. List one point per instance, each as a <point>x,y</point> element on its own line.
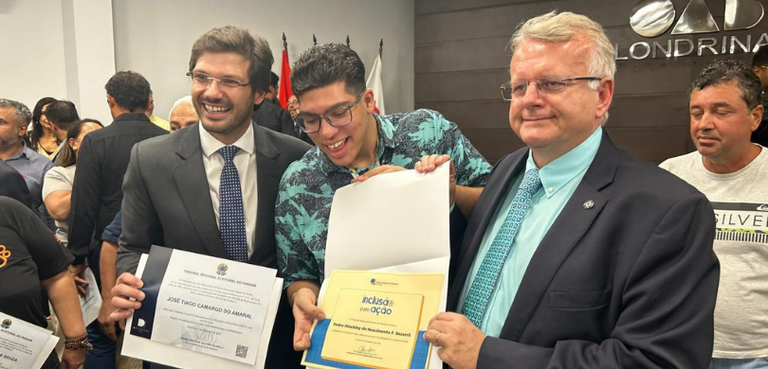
<point>375,320</point>
<point>202,312</point>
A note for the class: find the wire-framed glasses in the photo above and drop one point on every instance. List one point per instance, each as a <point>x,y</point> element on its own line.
<point>549,85</point>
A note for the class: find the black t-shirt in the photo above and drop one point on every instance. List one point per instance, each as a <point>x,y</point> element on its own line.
<point>29,253</point>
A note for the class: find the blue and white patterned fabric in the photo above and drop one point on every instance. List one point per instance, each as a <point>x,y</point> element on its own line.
<point>231,215</point>
<point>488,274</point>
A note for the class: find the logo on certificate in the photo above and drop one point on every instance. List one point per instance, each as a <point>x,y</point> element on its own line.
<point>222,269</point>
<point>6,324</point>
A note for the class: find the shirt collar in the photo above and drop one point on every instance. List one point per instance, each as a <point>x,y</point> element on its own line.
<point>210,144</point>
<point>24,153</point>
<point>562,170</point>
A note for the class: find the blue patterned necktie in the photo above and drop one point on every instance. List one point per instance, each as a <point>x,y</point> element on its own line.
<point>482,286</point>
<point>231,214</point>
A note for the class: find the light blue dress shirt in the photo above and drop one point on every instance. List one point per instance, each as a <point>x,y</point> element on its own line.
<point>559,180</point>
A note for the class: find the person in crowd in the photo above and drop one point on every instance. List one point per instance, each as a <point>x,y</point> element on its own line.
<point>725,108</point>
<point>61,116</point>
<point>41,137</point>
<point>96,192</point>
<point>150,112</point>
<point>183,113</point>
<point>57,186</point>
<point>31,260</point>
<point>269,114</point>
<point>352,143</point>
<point>14,118</point>
<point>169,176</point>
<point>577,255</point>
<point>760,68</point>
<point>12,185</point>
<point>294,107</point>
<point>274,85</point>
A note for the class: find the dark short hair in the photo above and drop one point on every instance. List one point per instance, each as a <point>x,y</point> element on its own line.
<point>130,90</point>
<point>67,156</point>
<point>274,80</point>
<point>23,115</point>
<point>62,113</point>
<point>37,129</point>
<point>724,71</point>
<point>761,57</point>
<point>326,64</point>
<point>234,39</point>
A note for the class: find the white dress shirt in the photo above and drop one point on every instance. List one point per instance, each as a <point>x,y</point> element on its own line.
<point>245,161</point>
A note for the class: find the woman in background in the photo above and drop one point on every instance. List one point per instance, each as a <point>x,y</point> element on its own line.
<point>57,186</point>
<point>41,137</point>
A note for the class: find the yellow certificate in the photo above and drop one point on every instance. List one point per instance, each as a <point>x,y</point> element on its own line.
<point>375,320</point>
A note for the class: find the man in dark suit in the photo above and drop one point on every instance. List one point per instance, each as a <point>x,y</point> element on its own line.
<point>578,255</point>
<point>175,185</point>
<point>96,194</point>
<point>270,115</point>
<point>12,185</point>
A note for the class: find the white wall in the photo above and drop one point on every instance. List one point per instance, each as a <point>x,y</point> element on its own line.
<point>57,48</point>
<point>154,37</point>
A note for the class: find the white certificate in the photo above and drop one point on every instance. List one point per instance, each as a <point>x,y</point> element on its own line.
<point>90,304</point>
<point>23,345</point>
<point>202,312</point>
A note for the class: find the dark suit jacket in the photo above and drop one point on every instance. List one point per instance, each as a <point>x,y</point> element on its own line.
<point>101,164</point>
<point>167,202</point>
<point>12,185</point>
<point>274,117</point>
<point>629,282</point>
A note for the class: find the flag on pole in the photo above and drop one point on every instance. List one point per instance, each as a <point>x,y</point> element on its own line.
<point>374,83</point>
<point>285,81</point>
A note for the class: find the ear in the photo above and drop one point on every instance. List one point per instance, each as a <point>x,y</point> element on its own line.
<point>369,100</point>
<point>605,97</point>
<point>72,143</point>
<point>22,130</point>
<point>258,97</point>
<point>110,101</point>
<point>757,117</point>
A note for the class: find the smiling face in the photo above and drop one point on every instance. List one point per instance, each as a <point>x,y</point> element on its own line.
<point>553,124</point>
<point>352,145</point>
<point>225,112</point>
<point>721,122</point>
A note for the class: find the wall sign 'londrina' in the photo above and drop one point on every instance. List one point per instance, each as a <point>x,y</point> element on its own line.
<point>652,18</point>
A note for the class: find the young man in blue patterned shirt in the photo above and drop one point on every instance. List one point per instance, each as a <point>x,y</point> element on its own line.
<point>352,143</point>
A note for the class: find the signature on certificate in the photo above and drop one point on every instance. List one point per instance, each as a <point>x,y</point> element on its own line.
<point>365,350</point>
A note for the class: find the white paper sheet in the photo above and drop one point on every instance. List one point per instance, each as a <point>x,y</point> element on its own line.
<point>90,304</point>
<point>145,349</point>
<point>395,222</point>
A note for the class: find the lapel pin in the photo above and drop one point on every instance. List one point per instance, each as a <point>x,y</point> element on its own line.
<point>589,204</point>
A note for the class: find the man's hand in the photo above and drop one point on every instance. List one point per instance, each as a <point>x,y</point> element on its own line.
<point>108,326</point>
<point>305,311</point>
<point>429,163</point>
<point>127,287</point>
<point>376,171</point>
<point>72,359</point>
<point>77,273</point>
<point>459,338</point>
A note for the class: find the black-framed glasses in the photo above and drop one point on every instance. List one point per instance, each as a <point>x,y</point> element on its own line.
<point>205,80</point>
<point>337,117</point>
<point>549,85</point>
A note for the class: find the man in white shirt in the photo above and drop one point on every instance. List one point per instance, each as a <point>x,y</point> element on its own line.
<point>227,158</point>
<point>732,172</point>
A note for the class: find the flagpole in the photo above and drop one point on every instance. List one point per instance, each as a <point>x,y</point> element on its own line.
<point>314,39</point>
<point>348,42</point>
<point>381,46</point>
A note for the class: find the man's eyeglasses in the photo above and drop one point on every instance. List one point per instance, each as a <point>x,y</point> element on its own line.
<point>337,117</point>
<point>202,79</point>
<point>516,89</point>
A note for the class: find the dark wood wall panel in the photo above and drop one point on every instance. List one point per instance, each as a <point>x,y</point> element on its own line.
<point>461,59</point>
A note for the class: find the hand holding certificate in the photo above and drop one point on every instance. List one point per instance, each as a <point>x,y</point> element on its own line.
<point>201,311</point>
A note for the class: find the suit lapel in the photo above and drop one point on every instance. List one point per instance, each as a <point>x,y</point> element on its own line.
<point>492,197</point>
<point>574,221</point>
<point>192,183</point>
<point>268,174</point>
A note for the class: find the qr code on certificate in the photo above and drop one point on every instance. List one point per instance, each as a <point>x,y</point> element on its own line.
<point>242,351</point>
